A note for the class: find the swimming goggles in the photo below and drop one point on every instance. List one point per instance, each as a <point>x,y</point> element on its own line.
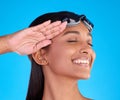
<point>77,20</point>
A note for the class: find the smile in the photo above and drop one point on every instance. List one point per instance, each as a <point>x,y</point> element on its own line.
<point>81,61</point>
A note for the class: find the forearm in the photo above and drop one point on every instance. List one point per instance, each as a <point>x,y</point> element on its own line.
<point>4,46</point>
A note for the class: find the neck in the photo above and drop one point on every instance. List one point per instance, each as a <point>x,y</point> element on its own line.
<point>61,88</point>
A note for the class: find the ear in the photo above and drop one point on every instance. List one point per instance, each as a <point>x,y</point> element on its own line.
<point>40,57</point>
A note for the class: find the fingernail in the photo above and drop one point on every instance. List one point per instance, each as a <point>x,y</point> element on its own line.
<point>49,21</point>
<point>58,22</point>
<point>64,24</point>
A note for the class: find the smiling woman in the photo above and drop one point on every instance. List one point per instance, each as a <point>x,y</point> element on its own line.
<point>57,67</point>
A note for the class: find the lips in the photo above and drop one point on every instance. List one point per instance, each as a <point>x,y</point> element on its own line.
<point>82,61</point>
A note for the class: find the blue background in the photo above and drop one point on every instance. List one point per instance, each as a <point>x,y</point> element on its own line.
<point>104,83</point>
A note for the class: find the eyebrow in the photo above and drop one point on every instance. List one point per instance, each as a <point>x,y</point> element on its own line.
<point>71,32</point>
<point>76,32</point>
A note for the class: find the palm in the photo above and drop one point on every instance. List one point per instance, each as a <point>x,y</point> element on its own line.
<point>32,39</point>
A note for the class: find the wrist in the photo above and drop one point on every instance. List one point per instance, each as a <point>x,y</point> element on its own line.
<point>8,43</point>
<point>4,44</point>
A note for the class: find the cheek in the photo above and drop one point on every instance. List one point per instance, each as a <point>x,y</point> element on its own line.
<point>60,58</point>
<point>93,56</point>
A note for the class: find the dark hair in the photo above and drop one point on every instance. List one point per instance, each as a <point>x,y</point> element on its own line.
<point>36,83</point>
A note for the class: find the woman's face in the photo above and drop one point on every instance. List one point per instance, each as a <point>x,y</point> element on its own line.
<point>71,54</point>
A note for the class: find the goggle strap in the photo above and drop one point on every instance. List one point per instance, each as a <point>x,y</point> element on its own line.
<point>88,25</point>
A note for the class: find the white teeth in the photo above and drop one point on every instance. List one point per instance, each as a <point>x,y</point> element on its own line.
<point>80,61</point>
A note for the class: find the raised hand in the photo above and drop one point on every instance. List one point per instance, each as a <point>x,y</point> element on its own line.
<point>31,39</point>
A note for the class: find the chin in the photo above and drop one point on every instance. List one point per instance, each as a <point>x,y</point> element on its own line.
<point>84,77</point>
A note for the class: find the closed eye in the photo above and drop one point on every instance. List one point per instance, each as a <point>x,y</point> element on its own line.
<point>72,41</point>
<point>90,44</point>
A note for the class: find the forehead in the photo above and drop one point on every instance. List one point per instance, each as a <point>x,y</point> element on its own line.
<point>81,28</point>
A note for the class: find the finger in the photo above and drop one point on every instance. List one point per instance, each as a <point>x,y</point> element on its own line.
<point>55,31</point>
<point>42,44</point>
<point>37,35</point>
<point>50,36</point>
<point>52,25</point>
<point>40,26</point>
<point>52,28</point>
<point>40,36</point>
<point>63,26</point>
<point>51,31</point>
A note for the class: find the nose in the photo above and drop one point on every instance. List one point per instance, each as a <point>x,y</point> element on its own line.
<point>84,50</point>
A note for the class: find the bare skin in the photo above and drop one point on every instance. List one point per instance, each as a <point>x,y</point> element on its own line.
<point>31,39</point>
<point>68,59</point>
